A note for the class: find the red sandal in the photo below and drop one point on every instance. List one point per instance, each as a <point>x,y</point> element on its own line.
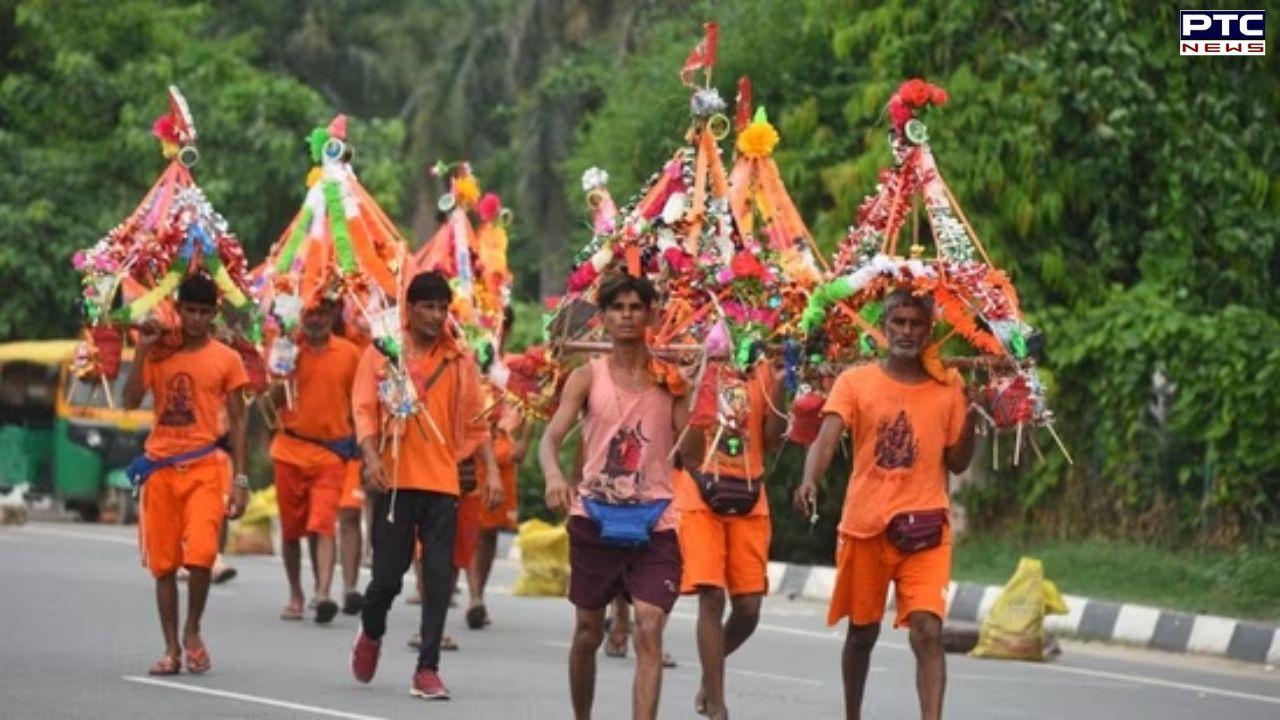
<point>198,661</point>
<point>167,665</point>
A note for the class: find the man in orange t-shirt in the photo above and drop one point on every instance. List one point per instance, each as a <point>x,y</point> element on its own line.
<point>417,491</point>
<point>183,475</point>
<point>510,443</point>
<point>726,550</point>
<point>311,453</point>
<point>909,430</point>
<point>352,508</point>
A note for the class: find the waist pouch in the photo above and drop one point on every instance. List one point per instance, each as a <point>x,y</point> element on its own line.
<point>625,525</point>
<point>345,447</point>
<point>143,467</point>
<point>467,476</point>
<point>727,495</point>
<point>917,530</point>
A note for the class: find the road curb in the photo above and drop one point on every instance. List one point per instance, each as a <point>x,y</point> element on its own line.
<point>1087,618</point>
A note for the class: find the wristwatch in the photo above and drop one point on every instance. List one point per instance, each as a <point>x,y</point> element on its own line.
<point>241,482</point>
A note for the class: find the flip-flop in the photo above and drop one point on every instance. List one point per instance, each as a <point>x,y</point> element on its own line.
<point>616,649</point>
<point>198,661</point>
<point>224,575</point>
<point>325,611</point>
<point>448,643</point>
<point>352,603</point>
<point>700,702</point>
<point>167,665</point>
<point>477,617</point>
<point>668,661</point>
<point>291,613</point>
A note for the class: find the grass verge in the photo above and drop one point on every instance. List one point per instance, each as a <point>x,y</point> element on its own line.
<point>1243,584</point>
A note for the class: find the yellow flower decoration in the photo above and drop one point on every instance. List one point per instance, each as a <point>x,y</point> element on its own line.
<point>314,176</point>
<point>466,190</point>
<point>758,139</point>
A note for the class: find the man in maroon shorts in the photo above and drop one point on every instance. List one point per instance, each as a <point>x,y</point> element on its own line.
<point>622,524</point>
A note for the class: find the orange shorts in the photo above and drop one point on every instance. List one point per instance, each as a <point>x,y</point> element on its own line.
<point>467,531</point>
<point>725,552</point>
<point>183,508</point>
<point>352,488</point>
<point>308,498</point>
<point>866,566</point>
<point>506,516</point>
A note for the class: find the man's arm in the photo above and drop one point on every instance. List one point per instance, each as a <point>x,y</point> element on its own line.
<point>135,386</point>
<point>775,424</point>
<point>365,412</point>
<point>520,442</point>
<point>236,439</point>
<point>816,462</point>
<point>492,491</point>
<point>693,441</point>
<point>960,453</point>
<point>572,400</point>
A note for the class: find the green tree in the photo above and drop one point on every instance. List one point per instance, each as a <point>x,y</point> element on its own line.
<point>81,82</point>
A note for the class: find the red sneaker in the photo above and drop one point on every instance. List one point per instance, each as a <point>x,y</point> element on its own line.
<point>428,685</point>
<point>364,657</point>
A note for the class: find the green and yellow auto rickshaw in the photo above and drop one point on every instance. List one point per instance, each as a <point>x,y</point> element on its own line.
<point>65,437</point>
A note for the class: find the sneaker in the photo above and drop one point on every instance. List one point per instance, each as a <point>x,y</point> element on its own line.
<point>428,685</point>
<point>364,657</point>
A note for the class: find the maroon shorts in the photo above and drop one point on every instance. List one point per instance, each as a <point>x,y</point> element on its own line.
<point>599,571</point>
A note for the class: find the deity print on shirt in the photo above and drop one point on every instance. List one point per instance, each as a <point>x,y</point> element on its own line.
<point>178,408</point>
<point>620,479</point>
<point>896,443</point>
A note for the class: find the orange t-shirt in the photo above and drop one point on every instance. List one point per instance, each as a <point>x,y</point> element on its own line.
<point>454,403</point>
<point>900,431</point>
<point>748,462</point>
<point>190,389</point>
<point>321,405</point>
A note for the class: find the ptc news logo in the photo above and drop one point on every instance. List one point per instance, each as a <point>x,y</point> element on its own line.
<point>1222,32</point>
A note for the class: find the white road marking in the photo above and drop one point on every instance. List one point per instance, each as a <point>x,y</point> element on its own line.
<point>784,678</point>
<point>1136,679</point>
<point>1158,682</point>
<point>99,537</point>
<point>314,710</point>
<point>751,673</point>
<point>837,635</point>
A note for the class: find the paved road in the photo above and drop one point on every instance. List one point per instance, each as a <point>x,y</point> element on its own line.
<point>79,633</point>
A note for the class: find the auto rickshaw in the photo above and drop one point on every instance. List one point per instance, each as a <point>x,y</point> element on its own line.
<point>65,437</point>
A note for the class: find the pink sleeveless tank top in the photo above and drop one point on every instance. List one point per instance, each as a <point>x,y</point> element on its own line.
<point>627,441</point>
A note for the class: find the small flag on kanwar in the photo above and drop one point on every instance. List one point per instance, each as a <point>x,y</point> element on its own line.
<point>702,57</point>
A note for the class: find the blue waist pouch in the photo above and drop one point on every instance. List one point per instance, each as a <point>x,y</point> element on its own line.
<point>625,525</point>
<point>143,467</point>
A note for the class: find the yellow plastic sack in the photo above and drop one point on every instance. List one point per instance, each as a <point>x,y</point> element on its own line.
<point>1014,629</point>
<point>544,559</point>
<point>251,533</point>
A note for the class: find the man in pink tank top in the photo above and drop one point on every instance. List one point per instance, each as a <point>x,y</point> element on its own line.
<point>622,522</point>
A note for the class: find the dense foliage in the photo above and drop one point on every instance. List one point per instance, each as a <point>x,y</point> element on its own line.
<point>1133,194</point>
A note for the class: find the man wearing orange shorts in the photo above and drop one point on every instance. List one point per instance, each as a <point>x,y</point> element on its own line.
<point>311,453</point>
<point>909,430</point>
<point>510,443</point>
<point>724,534</point>
<point>183,477</point>
<point>352,508</point>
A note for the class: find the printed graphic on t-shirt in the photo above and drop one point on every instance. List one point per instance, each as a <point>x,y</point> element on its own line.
<point>896,443</point>
<point>621,476</point>
<point>179,410</point>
